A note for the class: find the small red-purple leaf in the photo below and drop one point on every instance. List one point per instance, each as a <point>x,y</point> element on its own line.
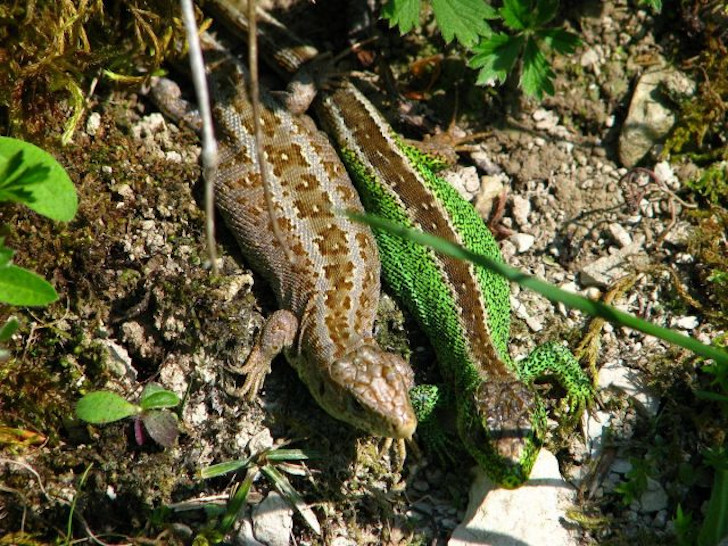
<point>161,426</point>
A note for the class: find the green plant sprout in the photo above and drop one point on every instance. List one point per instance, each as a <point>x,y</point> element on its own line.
<point>271,463</point>
<point>101,407</point>
<point>496,53</point>
<point>6,332</point>
<point>715,525</point>
<point>496,56</point>
<point>636,483</point>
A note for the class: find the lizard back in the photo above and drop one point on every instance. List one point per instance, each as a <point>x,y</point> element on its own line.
<point>331,281</point>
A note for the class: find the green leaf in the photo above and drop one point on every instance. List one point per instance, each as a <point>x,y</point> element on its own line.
<point>220,469</point>
<point>19,286</point>
<point>516,14</point>
<point>161,426</point>
<point>715,525</point>
<point>158,400</point>
<point>284,487</point>
<point>404,14</point>
<point>6,254</point>
<point>528,14</point>
<point>463,19</point>
<point>560,40</point>
<point>156,397</point>
<point>238,496</point>
<point>16,177</point>
<point>32,176</point>
<point>281,455</point>
<point>537,76</point>
<point>101,407</point>
<point>545,11</point>
<point>495,57</point>
<point>656,5</point>
<point>8,329</point>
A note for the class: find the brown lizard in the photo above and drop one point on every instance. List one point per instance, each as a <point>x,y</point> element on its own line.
<point>328,291</point>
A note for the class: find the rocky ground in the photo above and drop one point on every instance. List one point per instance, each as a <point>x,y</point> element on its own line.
<point>139,303</point>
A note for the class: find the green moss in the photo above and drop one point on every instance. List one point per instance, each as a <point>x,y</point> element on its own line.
<point>712,184</point>
<point>703,117</point>
<point>708,246</point>
<point>51,51</point>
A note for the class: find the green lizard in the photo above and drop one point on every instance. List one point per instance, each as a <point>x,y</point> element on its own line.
<point>464,309</point>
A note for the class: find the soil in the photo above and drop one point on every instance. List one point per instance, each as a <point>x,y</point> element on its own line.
<point>140,303</point>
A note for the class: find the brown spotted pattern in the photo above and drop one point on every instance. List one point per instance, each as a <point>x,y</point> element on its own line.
<point>331,282</point>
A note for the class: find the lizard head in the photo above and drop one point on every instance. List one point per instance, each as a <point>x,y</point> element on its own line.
<point>503,428</point>
<point>369,389</point>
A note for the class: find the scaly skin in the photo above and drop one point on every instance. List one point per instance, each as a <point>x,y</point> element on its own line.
<point>328,293</point>
<point>464,310</point>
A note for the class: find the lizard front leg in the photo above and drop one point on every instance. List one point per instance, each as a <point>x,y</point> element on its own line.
<point>278,333</point>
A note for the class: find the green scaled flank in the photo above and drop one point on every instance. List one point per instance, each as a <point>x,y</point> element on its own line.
<point>464,309</point>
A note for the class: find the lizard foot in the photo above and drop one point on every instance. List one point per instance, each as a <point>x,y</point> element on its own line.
<point>278,333</point>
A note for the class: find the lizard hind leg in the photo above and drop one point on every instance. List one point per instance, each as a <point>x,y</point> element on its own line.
<point>278,333</point>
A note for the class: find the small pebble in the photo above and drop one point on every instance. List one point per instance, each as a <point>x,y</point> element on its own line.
<point>685,323</point>
<point>619,234</point>
<point>521,210</point>
<point>93,123</point>
<point>523,241</point>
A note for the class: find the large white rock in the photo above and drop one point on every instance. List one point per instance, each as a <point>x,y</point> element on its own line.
<point>529,515</point>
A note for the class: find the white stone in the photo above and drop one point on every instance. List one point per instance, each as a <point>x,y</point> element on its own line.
<point>521,210</point>
<point>93,123</point>
<point>273,520</point>
<point>523,241</point>
<point>663,171</point>
<point>465,180</point>
<point>118,360</point>
<point>596,424</point>
<point>650,117</point>
<point>174,156</point>
<point>196,415</point>
<point>630,381</point>
<point>605,270</point>
<point>620,234</point>
<point>245,535</point>
<point>483,161</point>
<point>519,517</point>
<point>589,57</point>
<point>260,442</point>
<point>685,323</point>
